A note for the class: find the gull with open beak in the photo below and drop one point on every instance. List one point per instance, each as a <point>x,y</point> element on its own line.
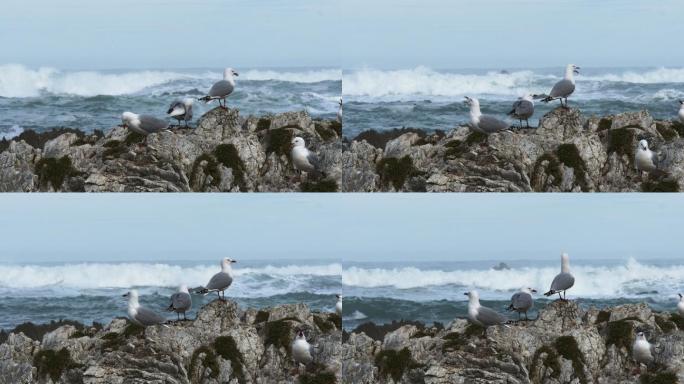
<point>222,88</point>
<point>564,88</point>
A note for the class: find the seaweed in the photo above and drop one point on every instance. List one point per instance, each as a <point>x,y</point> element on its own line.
<point>278,334</point>
<point>567,347</point>
<point>621,142</point>
<point>552,168</point>
<point>569,155</point>
<point>209,361</point>
<point>620,333</point>
<point>261,316</point>
<point>380,139</point>
<point>605,124</point>
<point>394,363</point>
<point>324,325</point>
<point>659,378</point>
<point>228,155</point>
<point>226,347</point>
<point>211,169</point>
<point>325,185</point>
<point>263,124</point>
<point>318,378</point>
<point>662,185</point>
<point>52,363</point>
<point>395,171</point>
<point>54,171</point>
<point>279,142</point>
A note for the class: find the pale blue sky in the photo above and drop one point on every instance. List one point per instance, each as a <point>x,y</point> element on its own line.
<point>379,227</point>
<point>349,33</point>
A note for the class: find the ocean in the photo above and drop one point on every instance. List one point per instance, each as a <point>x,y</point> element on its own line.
<point>433,291</point>
<point>90,291</point>
<point>44,98</point>
<point>433,99</point>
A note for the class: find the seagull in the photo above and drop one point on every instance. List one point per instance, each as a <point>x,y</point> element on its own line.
<point>338,305</point>
<point>140,315</point>
<point>644,158</point>
<point>564,280</point>
<point>642,351</point>
<point>522,301</point>
<point>180,301</point>
<point>302,351</point>
<point>680,305</point>
<point>143,124</point>
<point>339,113</point>
<point>221,89</point>
<point>181,110</point>
<point>479,315</point>
<point>681,111</point>
<point>304,160</point>
<point>483,123</point>
<point>564,88</point>
<point>523,109</point>
<point>220,281</point>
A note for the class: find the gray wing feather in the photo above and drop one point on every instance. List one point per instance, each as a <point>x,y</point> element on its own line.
<point>523,109</point>
<point>188,113</point>
<point>562,282</point>
<point>563,88</point>
<point>312,158</point>
<point>490,124</point>
<point>147,317</point>
<point>151,124</point>
<point>221,89</point>
<point>181,301</point>
<point>488,316</point>
<point>521,301</point>
<point>219,281</point>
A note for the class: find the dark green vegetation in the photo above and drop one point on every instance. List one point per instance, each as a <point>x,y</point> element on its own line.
<point>395,171</point>
<point>660,185</point>
<point>605,124</point>
<point>678,320</point>
<point>620,333</point>
<point>325,185</point>
<point>318,378</point>
<point>37,331</point>
<point>380,139</point>
<point>603,316</point>
<point>552,168</point>
<point>678,127</point>
<point>567,347</point>
<point>394,363</point>
<point>454,341</point>
<point>621,141</point>
<point>664,324</point>
<point>476,138</point>
<point>278,334</point>
<point>206,356</point>
<point>337,127</point>
<point>261,316</point>
<point>225,154</point>
<point>228,155</point>
<point>328,132</point>
<point>454,148</point>
<point>113,340</point>
<point>550,362</point>
<point>54,171</point>
<point>667,133</point>
<point>226,347</point>
<point>263,124</point>
<point>324,325</point>
<point>278,141</point>
<point>52,363</point>
<point>378,332</point>
<point>658,378</point>
<point>38,140</point>
<point>568,154</point>
<point>336,319</point>
<point>209,169</point>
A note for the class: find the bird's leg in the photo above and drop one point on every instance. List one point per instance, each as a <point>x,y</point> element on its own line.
<point>527,122</point>
<point>218,294</point>
<point>559,296</point>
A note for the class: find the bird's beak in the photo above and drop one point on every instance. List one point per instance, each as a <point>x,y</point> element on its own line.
<point>236,74</point>
<point>233,261</point>
<point>466,293</point>
<point>576,70</point>
<point>681,102</point>
<point>534,291</point>
<point>680,295</point>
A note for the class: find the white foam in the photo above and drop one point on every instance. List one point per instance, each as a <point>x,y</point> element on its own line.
<point>590,281</point>
<point>356,315</point>
<point>655,76</point>
<point>309,76</point>
<point>14,131</point>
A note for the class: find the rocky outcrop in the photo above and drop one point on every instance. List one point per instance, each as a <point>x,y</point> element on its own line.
<point>224,153</point>
<point>567,152</point>
<point>566,344</point>
<point>223,345</point>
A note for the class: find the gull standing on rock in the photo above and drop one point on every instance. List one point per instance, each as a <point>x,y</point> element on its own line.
<point>181,110</point>
<point>564,280</point>
<point>339,113</point>
<point>143,124</point>
<point>642,351</point>
<point>523,109</point>
<point>338,305</point>
<point>480,315</point>
<point>304,160</point>
<point>220,281</point>
<point>564,88</point>
<point>522,301</point>
<point>302,351</point>
<point>222,89</point>
<point>644,158</point>
<point>180,301</point>
<point>483,123</point>
<point>680,305</point>
<point>681,111</point>
<point>140,315</point>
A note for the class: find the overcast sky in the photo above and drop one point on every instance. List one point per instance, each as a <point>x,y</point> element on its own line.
<point>379,227</point>
<point>341,33</point>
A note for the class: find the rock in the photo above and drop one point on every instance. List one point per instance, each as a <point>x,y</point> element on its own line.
<point>217,347</point>
<point>567,152</point>
<point>566,344</point>
<point>224,153</point>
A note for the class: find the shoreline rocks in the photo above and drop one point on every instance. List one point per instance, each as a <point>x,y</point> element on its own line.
<point>567,152</point>
<point>225,152</point>
<point>223,345</point>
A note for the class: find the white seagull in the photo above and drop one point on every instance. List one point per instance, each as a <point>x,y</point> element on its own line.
<point>220,281</point>
<point>642,351</point>
<point>302,351</point>
<point>222,89</point>
<point>680,305</point>
<point>338,305</point>
<point>140,315</point>
<point>481,315</point>
<point>339,113</point>
<point>564,280</point>
<point>681,111</point>
<point>564,88</point>
<point>304,160</point>
<point>142,124</point>
<point>644,158</point>
<point>483,123</point>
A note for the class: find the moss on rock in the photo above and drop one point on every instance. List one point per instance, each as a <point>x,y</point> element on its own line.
<point>552,168</point>
<point>395,171</point>
<point>620,333</point>
<point>621,142</point>
<point>569,155</point>
<point>53,363</point>
<point>476,138</point>
<point>318,378</point>
<point>394,363</point>
<point>661,185</point>
<point>210,169</point>
<point>567,347</point>
<point>226,347</point>
<point>278,141</point>
<point>278,334</point>
<point>54,171</point>
<point>605,124</point>
<point>228,155</point>
<point>324,325</point>
<point>208,361</point>
<point>261,316</point>
<point>658,378</point>
<point>325,185</point>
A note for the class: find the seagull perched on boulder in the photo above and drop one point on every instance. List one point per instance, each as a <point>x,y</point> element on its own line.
<point>481,315</point>
<point>180,302</point>
<point>522,301</point>
<point>483,123</point>
<point>338,305</point>
<point>222,88</point>
<point>564,280</point>
<point>523,109</point>
<point>645,159</point>
<point>680,305</point>
<point>302,351</point>
<point>564,88</point>
<point>140,315</point>
<point>304,160</point>
<point>220,281</point>
<point>642,351</point>
<point>181,110</point>
<point>681,111</point>
<point>143,124</point>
